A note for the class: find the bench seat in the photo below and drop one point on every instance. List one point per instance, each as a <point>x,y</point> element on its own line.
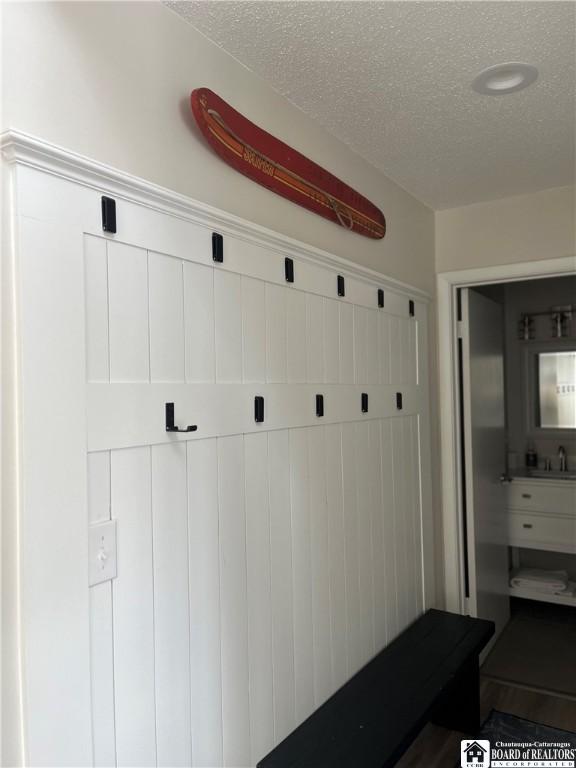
<point>428,673</point>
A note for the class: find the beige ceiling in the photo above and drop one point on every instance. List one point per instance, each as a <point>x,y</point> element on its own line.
<point>392,81</point>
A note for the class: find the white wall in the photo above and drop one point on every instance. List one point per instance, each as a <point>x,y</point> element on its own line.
<point>516,229</point>
<point>112,81</point>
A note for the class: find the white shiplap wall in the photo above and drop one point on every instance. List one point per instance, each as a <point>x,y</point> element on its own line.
<point>257,571</point>
<point>259,565</point>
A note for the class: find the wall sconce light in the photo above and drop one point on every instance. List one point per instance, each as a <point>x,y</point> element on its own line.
<point>561,320</point>
<point>526,328</point>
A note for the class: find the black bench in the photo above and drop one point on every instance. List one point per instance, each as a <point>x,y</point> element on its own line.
<point>428,673</point>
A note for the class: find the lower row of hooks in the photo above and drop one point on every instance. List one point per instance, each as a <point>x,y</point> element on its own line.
<point>259,411</point>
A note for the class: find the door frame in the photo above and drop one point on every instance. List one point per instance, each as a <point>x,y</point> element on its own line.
<point>447,285</point>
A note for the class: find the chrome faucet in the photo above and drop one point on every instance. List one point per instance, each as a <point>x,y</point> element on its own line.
<point>562,456</point>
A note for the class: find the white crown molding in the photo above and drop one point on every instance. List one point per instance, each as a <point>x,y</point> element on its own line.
<point>19,148</point>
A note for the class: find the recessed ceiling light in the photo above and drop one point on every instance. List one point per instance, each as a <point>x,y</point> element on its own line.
<point>505,78</point>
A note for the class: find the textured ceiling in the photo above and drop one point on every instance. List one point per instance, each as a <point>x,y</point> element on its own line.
<point>392,81</point>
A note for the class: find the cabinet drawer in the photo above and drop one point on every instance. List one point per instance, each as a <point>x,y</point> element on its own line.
<point>545,498</point>
<point>542,532</point>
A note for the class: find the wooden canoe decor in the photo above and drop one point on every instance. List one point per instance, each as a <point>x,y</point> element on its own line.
<point>273,164</point>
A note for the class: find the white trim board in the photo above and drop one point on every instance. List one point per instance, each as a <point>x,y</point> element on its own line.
<point>447,285</point>
<point>21,148</point>
<point>506,273</point>
<point>115,410</point>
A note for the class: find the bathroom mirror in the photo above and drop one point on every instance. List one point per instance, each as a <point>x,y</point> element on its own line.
<point>556,389</point>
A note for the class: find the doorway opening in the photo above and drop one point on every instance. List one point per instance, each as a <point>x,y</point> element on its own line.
<point>508,391</point>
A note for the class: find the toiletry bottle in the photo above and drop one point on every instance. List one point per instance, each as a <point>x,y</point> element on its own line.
<point>531,458</point>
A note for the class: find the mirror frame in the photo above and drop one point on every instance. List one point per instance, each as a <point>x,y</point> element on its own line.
<point>530,387</point>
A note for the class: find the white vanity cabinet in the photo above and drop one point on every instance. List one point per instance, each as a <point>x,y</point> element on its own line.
<point>541,514</point>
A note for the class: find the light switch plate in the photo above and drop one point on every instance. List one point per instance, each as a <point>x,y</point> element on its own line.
<point>102,552</point>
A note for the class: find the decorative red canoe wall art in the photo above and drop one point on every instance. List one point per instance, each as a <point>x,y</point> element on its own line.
<point>273,164</point>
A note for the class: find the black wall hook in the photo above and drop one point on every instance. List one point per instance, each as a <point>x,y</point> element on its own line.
<point>259,409</point>
<point>289,270</point>
<point>217,247</point>
<point>170,427</point>
<point>109,214</point>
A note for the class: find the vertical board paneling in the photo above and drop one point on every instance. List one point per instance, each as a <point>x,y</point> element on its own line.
<point>314,337</point>
<point>133,609</point>
<point>296,336</point>
<point>98,486</point>
<point>101,639</point>
<point>257,572</point>
<point>259,595</point>
<point>416,512</point>
<point>409,522</point>
<point>346,312</point>
<point>376,509</point>
<point>171,604</point>
<point>395,351</point>
<point>353,616</point>
<point>281,578</point>
<point>102,675</point>
<point>276,353</point>
<point>409,477</point>
<point>320,566</point>
<point>406,362</point>
<point>331,341</point>
<point>128,313</point>
<point>199,322</point>
<point>360,349</point>
<point>205,669</point>
<point>166,299</point>
<point>336,538</point>
<point>96,288</point>
<point>228,324</point>
<point>384,348</point>
<point>372,356</point>
<point>365,582</point>
<point>253,329</point>
<point>389,528</point>
<point>302,574</point>
<point>413,353</point>
<point>399,470</point>
<point>233,602</point>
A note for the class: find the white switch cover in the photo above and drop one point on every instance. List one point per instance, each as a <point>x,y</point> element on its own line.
<point>102,552</point>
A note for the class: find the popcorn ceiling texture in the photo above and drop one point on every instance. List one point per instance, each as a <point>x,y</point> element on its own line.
<point>392,80</point>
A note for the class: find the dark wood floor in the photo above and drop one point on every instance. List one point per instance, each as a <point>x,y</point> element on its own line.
<point>438,747</point>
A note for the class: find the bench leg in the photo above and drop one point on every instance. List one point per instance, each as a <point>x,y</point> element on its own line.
<point>459,707</point>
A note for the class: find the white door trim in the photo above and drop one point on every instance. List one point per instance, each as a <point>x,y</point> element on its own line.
<point>447,285</point>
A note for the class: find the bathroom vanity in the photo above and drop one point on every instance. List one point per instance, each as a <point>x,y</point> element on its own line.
<point>541,514</point>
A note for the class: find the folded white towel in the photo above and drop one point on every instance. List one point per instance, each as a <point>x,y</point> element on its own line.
<point>542,590</point>
<point>549,582</point>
